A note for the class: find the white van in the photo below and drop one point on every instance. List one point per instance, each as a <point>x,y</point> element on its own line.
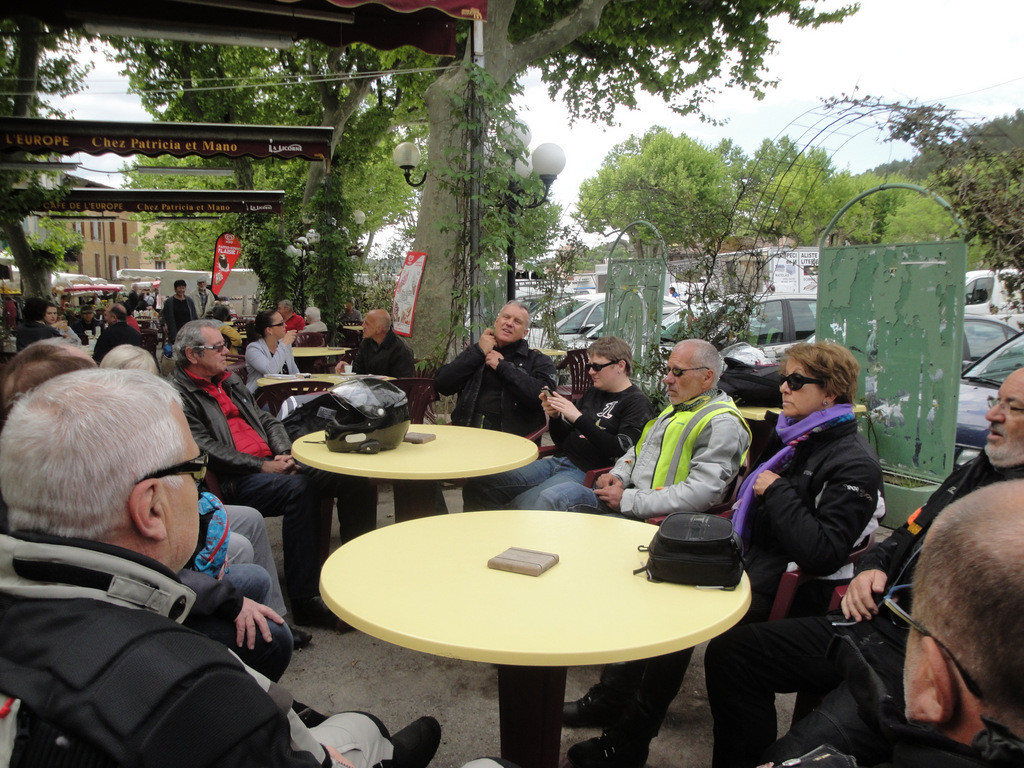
<point>986,296</point>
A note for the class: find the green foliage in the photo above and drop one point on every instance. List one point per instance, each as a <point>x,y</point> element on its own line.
<point>56,245</point>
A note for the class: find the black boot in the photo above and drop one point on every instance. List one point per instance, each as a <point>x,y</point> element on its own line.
<point>416,744</point>
<point>600,707</point>
<point>615,748</point>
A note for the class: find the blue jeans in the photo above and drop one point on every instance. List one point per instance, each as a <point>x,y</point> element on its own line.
<point>271,658</point>
<point>553,483</point>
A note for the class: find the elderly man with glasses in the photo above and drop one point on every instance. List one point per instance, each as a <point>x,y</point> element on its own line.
<point>96,667</point>
<point>748,665</point>
<point>250,452</point>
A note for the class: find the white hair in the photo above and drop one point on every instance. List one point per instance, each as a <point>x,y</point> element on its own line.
<point>74,447</point>
<point>313,314</point>
<point>130,357</point>
<point>704,354</point>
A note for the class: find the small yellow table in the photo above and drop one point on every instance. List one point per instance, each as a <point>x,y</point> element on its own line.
<point>318,351</point>
<point>456,452</point>
<point>436,594</point>
<point>553,352</point>
<point>335,378</point>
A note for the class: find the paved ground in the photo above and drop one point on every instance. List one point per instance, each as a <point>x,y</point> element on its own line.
<point>356,671</point>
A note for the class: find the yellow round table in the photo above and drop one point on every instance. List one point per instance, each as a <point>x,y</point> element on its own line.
<point>336,378</point>
<point>318,351</point>
<point>431,590</point>
<point>456,452</point>
<point>553,352</point>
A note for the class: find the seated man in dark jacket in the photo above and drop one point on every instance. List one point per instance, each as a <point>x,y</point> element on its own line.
<point>499,378</point>
<point>117,332</point>
<point>964,663</point>
<point>250,452</point>
<point>381,352</point>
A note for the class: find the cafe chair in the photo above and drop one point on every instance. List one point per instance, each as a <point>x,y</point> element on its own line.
<point>272,396</point>
<point>238,368</point>
<point>575,361</point>
<point>723,508</point>
<point>310,339</point>
<point>352,338</point>
<point>150,340</point>
<point>421,395</point>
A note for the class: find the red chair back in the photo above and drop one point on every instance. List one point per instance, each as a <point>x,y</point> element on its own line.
<point>579,382</point>
<point>422,395</point>
<point>310,339</point>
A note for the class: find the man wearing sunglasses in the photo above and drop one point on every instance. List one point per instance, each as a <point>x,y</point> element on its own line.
<point>251,453</point>
<point>964,663</point>
<point>499,379</point>
<point>747,665</point>
<point>96,669</point>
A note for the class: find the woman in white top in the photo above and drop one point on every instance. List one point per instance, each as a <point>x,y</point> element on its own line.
<point>272,352</point>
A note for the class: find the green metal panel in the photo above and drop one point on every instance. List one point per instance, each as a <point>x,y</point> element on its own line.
<point>899,309</point>
<point>635,292</point>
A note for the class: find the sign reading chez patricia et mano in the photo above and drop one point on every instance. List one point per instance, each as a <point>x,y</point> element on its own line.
<point>169,201</point>
<point>66,137</point>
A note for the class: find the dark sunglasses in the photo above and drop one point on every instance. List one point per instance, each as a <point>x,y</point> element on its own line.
<point>889,601</point>
<point>596,367</point>
<point>195,467</point>
<point>677,372</point>
<point>796,381</point>
<point>275,325</point>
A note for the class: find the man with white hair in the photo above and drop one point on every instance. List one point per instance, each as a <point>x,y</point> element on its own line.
<point>748,665</point>
<point>94,664</point>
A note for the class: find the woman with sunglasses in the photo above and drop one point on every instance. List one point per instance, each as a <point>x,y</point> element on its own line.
<point>817,494</point>
<point>271,353</point>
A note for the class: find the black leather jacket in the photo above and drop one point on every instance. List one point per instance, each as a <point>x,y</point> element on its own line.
<point>523,372</point>
<point>210,427</point>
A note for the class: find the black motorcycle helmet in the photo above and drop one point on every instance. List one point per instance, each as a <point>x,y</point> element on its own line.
<point>373,416</point>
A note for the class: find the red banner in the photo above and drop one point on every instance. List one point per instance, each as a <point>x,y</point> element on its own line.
<point>225,254</point>
<point>403,306</point>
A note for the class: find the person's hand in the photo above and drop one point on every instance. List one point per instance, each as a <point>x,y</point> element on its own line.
<point>493,358</point>
<point>289,337</point>
<point>763,480</point>
<point>487,341</point>
<point>279,465</point>
<point>603,481</point>
<point>252,618</point>
<point>340,367</point>
<point>611,492</point>
<point>859,601</point>
<point>337,757</point>
<point>563,406</point>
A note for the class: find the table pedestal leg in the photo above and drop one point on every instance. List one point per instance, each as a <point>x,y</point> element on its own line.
<point>417,498</point>
<point>530,705</point>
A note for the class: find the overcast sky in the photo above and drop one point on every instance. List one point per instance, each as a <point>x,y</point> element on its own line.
<point>963,53</point>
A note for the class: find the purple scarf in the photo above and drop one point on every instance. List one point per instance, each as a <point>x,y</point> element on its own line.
<point>791,435</point>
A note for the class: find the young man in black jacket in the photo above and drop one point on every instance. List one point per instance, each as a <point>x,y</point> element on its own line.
<point>746,666</point>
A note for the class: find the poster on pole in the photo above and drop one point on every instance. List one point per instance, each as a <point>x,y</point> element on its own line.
<point>403,306</point>
<point>225,254</point>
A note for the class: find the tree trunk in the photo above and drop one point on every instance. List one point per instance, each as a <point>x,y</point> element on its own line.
<point>35,280</point>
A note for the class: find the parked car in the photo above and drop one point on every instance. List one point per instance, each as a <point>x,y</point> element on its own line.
<point>982,335</point>
<point>780,322</point>
<point>586,324</point>
<point>978,383</point>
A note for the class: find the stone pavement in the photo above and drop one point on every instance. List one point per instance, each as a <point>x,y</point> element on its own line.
<point>356,671</point>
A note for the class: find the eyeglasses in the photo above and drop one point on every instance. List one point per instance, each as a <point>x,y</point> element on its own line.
<point>889,601</point>
<point>215,347</point>
<point>195,467</point>
<point>275,325</point>
<point>1004,405</point>
<point>796,381</point>
<point>677,372</point>
<point>596,367</point>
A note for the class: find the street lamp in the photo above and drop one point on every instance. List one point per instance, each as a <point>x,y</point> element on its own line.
<point>547,160</point>
<point>407,156</point>
<point>305,245</point>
